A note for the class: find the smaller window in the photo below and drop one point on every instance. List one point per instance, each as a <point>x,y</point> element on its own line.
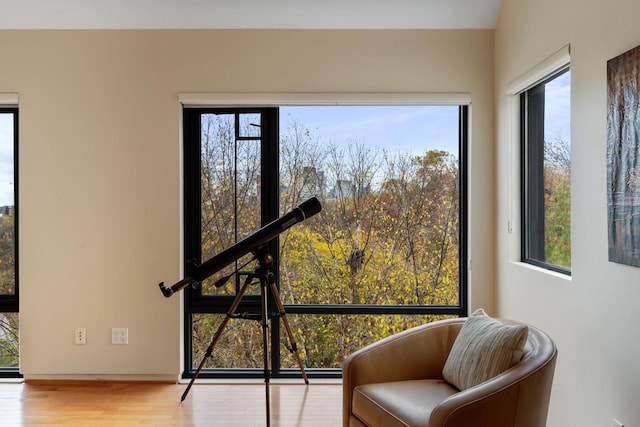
<point>546,173</point>
<point>9,325</point>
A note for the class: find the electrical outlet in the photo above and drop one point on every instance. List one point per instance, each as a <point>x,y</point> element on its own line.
<point>81,335</point>
<point>617,423</point>
<point>119,335</point>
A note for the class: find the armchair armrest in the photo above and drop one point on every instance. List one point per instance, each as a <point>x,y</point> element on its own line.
<point>518,396</point>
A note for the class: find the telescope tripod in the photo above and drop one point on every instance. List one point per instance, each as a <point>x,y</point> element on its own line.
<point>267,286</point>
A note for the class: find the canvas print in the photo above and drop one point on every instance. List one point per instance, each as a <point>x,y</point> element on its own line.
<point>623,157</point>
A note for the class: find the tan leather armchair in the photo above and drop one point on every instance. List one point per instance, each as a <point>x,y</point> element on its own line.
<point>398,381</point>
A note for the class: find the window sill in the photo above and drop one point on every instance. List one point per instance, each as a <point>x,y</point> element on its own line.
<point>543,270</point>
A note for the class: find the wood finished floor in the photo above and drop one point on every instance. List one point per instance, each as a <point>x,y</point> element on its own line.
<point>134,404</point>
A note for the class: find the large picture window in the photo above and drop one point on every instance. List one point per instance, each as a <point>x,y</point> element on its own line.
<point>385,253</point>
<point>9,328</point>
<point>546,173</point>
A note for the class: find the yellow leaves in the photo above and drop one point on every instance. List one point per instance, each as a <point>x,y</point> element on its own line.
<point>392,242</point>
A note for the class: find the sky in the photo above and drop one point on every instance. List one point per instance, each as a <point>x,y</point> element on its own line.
<point>407,129</point>
<point>558,108</point>
<point>410,129</point>
<point>404,129</point>
<point>6,159</point>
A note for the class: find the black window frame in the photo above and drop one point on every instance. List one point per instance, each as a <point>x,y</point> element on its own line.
<point>11,303</point>
<point>196,303</point>
<point>532,143</point>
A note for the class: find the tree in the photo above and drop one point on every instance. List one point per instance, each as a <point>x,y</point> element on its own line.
<point>230,172</point>
<point>230,210</point>
<point>387,235</point>
<point>557,202</point>
<point>7,253</point>
<point>9,342</point>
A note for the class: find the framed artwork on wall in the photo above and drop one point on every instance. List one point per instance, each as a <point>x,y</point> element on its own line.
<point>623,157</point>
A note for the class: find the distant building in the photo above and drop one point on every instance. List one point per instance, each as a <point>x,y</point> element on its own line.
<point>343,188</point>
<point>6,210</point>
<point>313,182</point>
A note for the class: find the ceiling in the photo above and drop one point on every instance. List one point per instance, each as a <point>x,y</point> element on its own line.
<point>224,14</point>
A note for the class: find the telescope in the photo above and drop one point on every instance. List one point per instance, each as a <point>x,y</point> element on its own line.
<point>301,212</point>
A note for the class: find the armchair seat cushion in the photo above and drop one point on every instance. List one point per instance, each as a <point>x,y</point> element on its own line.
<point>399,403</point>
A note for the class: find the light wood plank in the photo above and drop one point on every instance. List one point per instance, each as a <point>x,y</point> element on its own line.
<point>157,404</point>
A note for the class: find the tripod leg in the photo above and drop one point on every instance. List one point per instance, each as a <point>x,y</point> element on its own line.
<point>265,344</point>
<point>218,334</point>
<point>285,321</point>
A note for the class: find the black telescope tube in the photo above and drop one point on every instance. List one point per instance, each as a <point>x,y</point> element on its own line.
<point>303,211</point>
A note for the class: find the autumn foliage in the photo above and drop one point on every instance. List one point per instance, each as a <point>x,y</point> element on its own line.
<point>387,235</point>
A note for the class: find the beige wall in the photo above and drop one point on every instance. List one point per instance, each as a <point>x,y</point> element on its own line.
<point>592,316</point>
<point>100,166</point>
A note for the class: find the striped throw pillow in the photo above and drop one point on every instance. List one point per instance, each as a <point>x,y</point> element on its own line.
<point>484,348</point>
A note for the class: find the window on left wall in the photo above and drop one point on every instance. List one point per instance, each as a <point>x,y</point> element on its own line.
<point>9,319</point>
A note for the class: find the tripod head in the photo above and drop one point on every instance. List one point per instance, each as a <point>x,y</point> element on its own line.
<point>261,254</point>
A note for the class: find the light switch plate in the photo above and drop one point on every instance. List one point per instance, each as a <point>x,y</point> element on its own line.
<point>119,335</point>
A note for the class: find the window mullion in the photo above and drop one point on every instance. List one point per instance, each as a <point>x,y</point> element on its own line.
<point>535,172</point>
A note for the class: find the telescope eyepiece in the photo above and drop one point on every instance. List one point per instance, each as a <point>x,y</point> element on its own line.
<point>166,291</point>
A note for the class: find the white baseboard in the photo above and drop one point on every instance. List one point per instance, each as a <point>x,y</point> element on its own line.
<point>165,378</point>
